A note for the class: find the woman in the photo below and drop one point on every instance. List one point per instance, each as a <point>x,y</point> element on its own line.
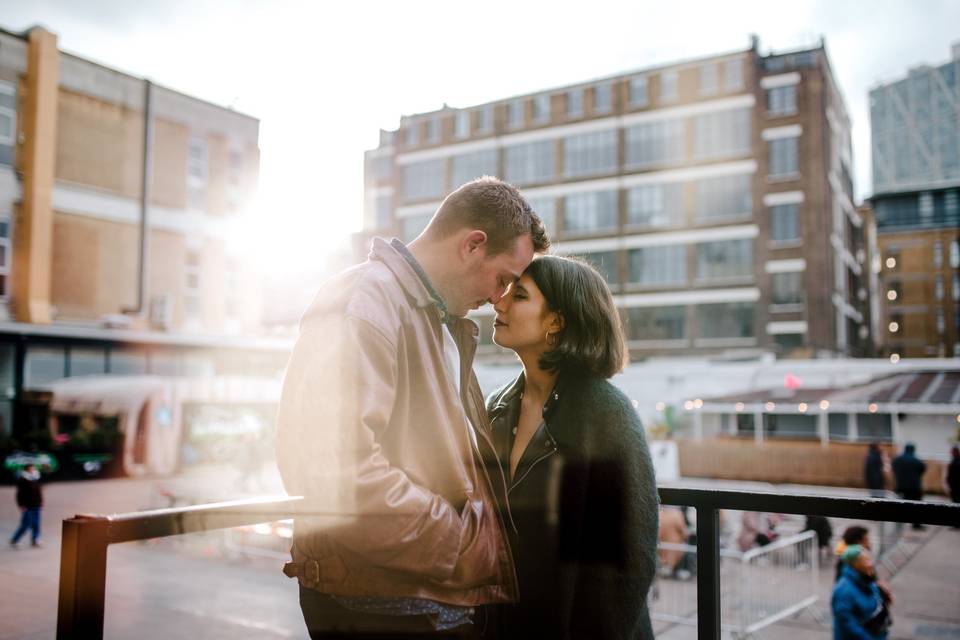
<point>582,492</point>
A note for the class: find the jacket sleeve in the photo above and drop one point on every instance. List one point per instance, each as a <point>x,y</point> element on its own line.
<point>844,615</point>
<point>337,398</point>
<point>618,541</point>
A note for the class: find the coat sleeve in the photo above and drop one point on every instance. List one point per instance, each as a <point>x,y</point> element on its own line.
<point>617,548</point>
<point>337,397</point>
<point>845,617</point>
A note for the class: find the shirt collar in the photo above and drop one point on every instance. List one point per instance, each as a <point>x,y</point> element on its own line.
<point>412,261</point>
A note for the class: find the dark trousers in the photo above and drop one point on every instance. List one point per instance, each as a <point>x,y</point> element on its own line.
<point>326,619</point>
<point>913,494</point>
<point>29,519</point>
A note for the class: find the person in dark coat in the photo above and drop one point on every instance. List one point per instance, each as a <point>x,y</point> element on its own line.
<point>582,492</point>
<point>908,472</point>
<point>30,501</point>
<point>873,471</point>
<point>951,475</point>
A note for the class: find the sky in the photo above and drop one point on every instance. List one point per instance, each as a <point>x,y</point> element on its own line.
<point>324,77</point>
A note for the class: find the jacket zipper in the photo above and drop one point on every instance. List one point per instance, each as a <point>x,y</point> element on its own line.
<point>532,465</point>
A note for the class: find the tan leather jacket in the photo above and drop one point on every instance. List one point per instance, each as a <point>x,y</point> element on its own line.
<point>372,432</point>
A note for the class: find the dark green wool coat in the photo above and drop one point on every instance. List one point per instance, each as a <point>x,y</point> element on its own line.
<point>585,508</point>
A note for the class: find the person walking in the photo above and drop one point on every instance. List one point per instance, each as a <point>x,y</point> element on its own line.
<point>951,475</point>
<point>908,472</point>
<point>30,501</point>
<point>873,471</point>
<point>860,609</point>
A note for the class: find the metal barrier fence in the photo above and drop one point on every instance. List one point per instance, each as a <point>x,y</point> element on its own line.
<point>758,587</point>
<point>83,554</point>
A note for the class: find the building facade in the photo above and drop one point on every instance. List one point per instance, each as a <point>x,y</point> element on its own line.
<point>915,126</point>
<point>76,139</point>
<point>714,195</point>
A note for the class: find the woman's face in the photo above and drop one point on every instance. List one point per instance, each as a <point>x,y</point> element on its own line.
<point>523,319</point>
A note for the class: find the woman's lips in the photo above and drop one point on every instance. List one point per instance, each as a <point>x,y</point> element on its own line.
<point>499,323</point>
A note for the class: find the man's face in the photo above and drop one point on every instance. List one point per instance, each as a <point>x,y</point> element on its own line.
<point>486,279</point>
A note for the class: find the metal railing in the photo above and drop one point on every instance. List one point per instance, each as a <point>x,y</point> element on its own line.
<point>83,554</point>
<point>760,586</point>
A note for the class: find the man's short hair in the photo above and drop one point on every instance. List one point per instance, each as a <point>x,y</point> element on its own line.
<point>494,207</point>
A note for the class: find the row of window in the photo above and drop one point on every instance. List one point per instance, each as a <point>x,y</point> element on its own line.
<point>479,121</point>
<point>661,143</point>
<point>647,207</point>
<point>8,122</point>
<point>713,321</point>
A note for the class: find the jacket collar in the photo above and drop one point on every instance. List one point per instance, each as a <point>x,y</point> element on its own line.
<point>856,578</point>
<point>512,394</point>
<point>412,283</point>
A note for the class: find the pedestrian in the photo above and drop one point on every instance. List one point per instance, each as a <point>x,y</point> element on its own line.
<point>821,526</point>
<point>860,609</point>
<point>951,475</point>
<point>873,470</point>
<point>908,472</point>
<point>382,428</point>
<point>857,535</point>
<point>30,501</point>
<point>582,488</point>
<point>757,529</point>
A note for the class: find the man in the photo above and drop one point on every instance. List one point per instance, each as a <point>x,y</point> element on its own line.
<point>30,501</point>
<point>908,472</point>
<point>382,427</point>
<point>860,610</point>
<point>873,470</point>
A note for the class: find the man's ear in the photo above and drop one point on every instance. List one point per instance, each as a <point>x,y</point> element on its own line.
<point>473,242</point>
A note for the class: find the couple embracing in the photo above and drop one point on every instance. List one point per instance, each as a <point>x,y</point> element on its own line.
<point>532,514</point>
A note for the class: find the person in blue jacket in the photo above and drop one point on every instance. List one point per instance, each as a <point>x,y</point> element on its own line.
<point>861,611</point>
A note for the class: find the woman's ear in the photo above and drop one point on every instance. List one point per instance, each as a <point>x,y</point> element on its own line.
<point>556,322</point>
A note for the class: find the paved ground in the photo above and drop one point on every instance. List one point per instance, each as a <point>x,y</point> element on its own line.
<point>196,587</point>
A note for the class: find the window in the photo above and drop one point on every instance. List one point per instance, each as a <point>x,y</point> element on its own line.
<point>733,74</point>
<point>433,131</point>
<point>656,323</point>
<point>783,157</point>
<point>575,103</point>
<point>937,254</point>
<point>938,287</point>
<point>603,98</point>
<point>43,365</point>
<point>785,288</point>
<point>590,153</point>
<point>790,425</point>
<point>725,320</point>
<point>541,108</point>
<point>412,226</point>
<point>954,254</point>
<point>5,258</point>
<point>515,113</point>
<point>638,91</point>
<point>926,206</point>
<point>955,288</point>
<point>590,212</point>
<point>231,303</point>
<point>191,284</point>
<point>197,160</point>
<point>668,86</point>
<point>708,79</point>
<point>725,259</point>
<point>529,163</point>
<point>383,208</point>
<point>234,179</point>
<point>782,101</point>
<point>654,143</point>
<point>655,205</point>
<point>722,133</point>
<point>468,166</point>
<point>940,321</point>
<point>785,223</point>
<point>724,197</point>
<point>546,210</point>
<point>658,266</point>
<point>485,119</point>
<point>8,122</point>
<point>461,124</point>
<point>423,180</point>
<point>606,263</point>
<point>381,167</point>
<point>412,134</point>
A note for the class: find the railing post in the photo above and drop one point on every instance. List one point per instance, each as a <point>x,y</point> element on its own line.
<point>708,573</point>
<point>83,577</point>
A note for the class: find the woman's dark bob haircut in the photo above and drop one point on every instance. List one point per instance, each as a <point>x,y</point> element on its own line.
<point>591,340</point>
